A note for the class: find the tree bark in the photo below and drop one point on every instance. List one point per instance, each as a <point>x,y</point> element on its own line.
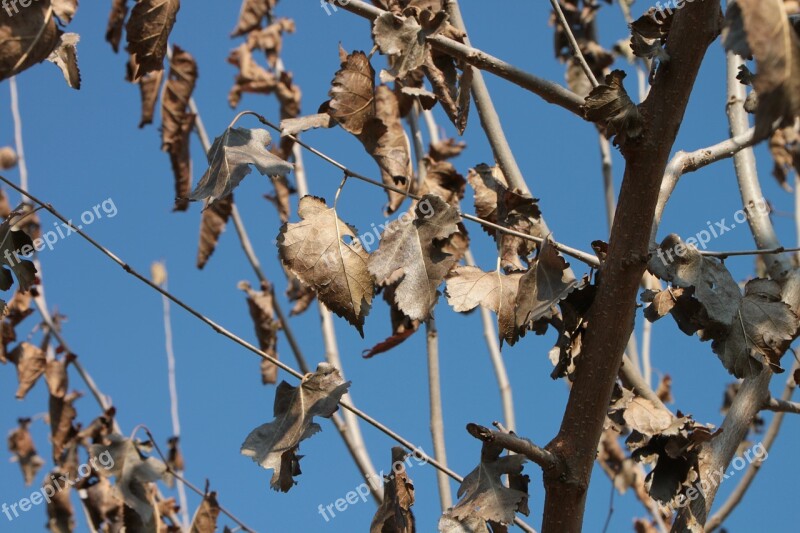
<point>611,318</point>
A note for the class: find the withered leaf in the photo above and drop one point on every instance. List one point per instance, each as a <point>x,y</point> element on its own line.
<point>468,287</point>
<point>60,515</point>
<point>212,224</point>
<point>20,443</point>
<point>55,375</point>
<point>411,254</point>
<point>784,145</point>
<point>205,518</point>
<point>394,515</point>
<point>116,23</point>
<point>316,252</point>
<point>443,180</point>
<point>352,91</point>
<point>251,78</point>
<point>62,415</point>
<point>230,159</point>
<point>649,32</point>
<point>543,286</point>
<point>148,30</point>
<point>769,37</point>
<point>761,332</point>
<point>65,57</point>
<point>293,126</point>
<point>103,506</point>
<point>133,470</point>
<point>402,38</point>
<point>446,149</point>
<point>27,36</point>
<point>640,414</point>
<point>149,88</point>
<point>610,106</point>
<point>262,313</point>
<point>402,326</point>
<point>65,9</point>
<point>251,15</point>
<point>451,88</point>
<point>31,362</point>
<point>272,445</point>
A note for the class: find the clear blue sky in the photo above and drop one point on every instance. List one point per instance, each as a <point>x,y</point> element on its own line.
<point>83,147</point>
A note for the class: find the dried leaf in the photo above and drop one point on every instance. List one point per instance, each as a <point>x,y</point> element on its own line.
<point>403,39</point>
<point>31,363</point>
<point>784,145</point>
<point>446,149</point>
<point>229,162</point>
<point>62,430</point>
<point>251,78</point>
<point>149,88</point>
<point>116,23</point>
<point>411,254</point>
<point>20,443</point>
<point>60,515</point>
<point>468,287</point>
<point>649,33</point>
<point>205,518</point>
<point>251,15</point>
<point>270,39</point>
<point>212,225</point>
<point>352,101</point>
<point>272,445</point>
<point>443,180</point>
<point>262,313</point>
<point>148,30</point>
<point>394,515</point>
<point>293,126</point>
<point>762,331</point>
<point>610,106</point>
<point>316,252</point>
<point>65,57</point>
<point>543,286</point>
<point>27,37</point>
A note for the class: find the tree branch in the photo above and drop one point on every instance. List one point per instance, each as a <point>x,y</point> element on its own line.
<point>436,415</point>
<point>511,442</point>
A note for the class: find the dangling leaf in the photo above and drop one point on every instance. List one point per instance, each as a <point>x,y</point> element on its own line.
<point>148,31</point>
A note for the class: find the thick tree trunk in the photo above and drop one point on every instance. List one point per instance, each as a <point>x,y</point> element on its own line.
<point>611,318</point>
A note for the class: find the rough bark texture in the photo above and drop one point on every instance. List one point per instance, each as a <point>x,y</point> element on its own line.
<point>612,316</point>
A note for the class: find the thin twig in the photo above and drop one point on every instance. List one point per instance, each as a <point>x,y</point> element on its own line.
<point>608,178</point>
<point>513,443</point>
<point>437,418</point>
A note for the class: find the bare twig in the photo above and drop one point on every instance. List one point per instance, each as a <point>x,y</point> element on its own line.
<point>783,406</point>
<point>511,442</point>
<point>437,418</point>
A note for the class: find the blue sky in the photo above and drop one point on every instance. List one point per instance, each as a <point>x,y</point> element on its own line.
<point>83,147</point>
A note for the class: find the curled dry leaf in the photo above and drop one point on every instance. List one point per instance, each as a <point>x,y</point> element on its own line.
<point>443,180</point>
<point>761,333</point>
<point>446,149</point>
<point>65,57</point>
<point>412,254</point>
<point>27,37</point>
<point>133,471</point>
<point>403,38</point>
<point>452,89</point>
<point>293,126</point>
<point>205,518</point>
<point>315,251</point>
<point>784,145</point>
<point>11,243</point>
<point>649,33</point>
<point>251,78</point>
<point>352,101</point>
<point>273,445</point>
<point>402,326</point>
<point>60,515</point>
<point>468,287</point>
<point>62,430</point>
<point>212,224</point>
<point>174,460</point>
<point>610,106</point>
<point>230,159</point>
<point>251,15</point>
<point>482,495</point>
<point>394,514</point>
<point>149,88</point>
<point>31,363</point>
<point>20,444</point>
<point>761,28</point>
<point>497,203</point>
<point>116,23</point>
<point>262,313</point>
<point>148,30</point>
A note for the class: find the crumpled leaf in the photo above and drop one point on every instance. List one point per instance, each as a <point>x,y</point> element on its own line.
<point>394,515</point>
<point>251,78</point>
<point>149,90</point>
<point>20,443</point>
<point>116,23</point>
<point>212,224</point>
<point>251,15</point>
<point>769,37</point>
<point>443,180</point>
<point>262,313</point>
<point>270,39</point>
<point>784,145</point>
<point>177,122</point>
<point>27,37</point>
<point>148,30</point>
<point>411,254</point>
<point>352,101</point>
<point>497,203</point>
<point>402,326</point>
<point>468,287</point>
<point>133,470</point>
<point>482,495</point>
<point>273,445</point>
<point>65,57</point>
<point>446,149</point>
<point>205,518</point>
<point>610,106</point>
<point>62,430</point>
<point>543,286</point>
<point>403,38</point>
<point>60,515</point>
<point>315,251</point>
<point>640,414</point>
<point>293,126</point>
<point>229,162</point>
<point>175,460</point>
<point>649,33</point>
<point>103,506</point>
<point>761,333</point>
<point>31,362</point>
<point>452,89</point>
<point>571,328</point>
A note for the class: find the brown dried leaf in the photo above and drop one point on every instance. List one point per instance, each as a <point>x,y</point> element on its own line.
<point>272,445</point>
<point>149,88</point>
<point>116,23</point>
<point>262,312</point>
<point>293,126</point>
<point>316,252</point>
<point>468,287</point>
<point>20,443</point>
<point>543,286</point>
<point>403,38</point>
<point>251,78</point>
<point>610,106</point>
<point>251,15</point>
<point>230,160</point>
<point>148,30</point>
<point>443,180</point>
<point>205,518</point>
<point>60,516</point>
<point>411,254</point>
<point>270,39</point>
<point>446,149</point>
<point>784,144</point>
<point>212,225</point>
<point>65,57</point>
<point>649,33</point>
<point>178,122</point>
<point>394,515</point>
<point>62,430</point>
<point>27,36</point>
<point>31,363</point>
<point>352,101</point>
